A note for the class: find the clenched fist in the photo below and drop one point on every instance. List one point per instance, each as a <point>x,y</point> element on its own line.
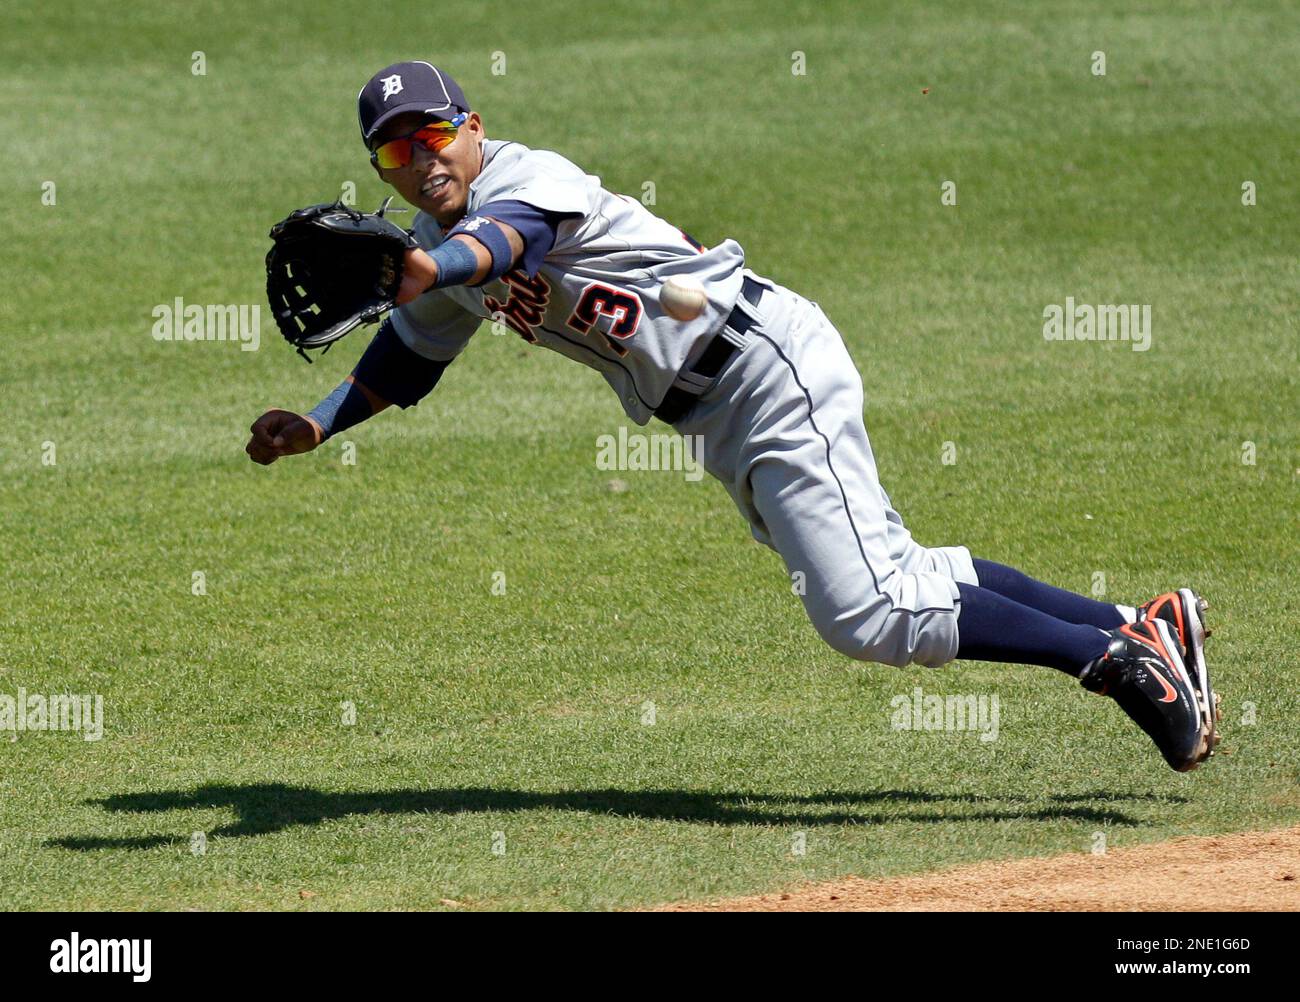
<point>281,433</point>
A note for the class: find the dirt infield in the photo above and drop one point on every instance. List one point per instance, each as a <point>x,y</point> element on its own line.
<point>1253,871</point>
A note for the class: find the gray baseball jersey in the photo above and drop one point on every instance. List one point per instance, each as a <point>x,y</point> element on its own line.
<point>595,297</point>
<point>781,426</point>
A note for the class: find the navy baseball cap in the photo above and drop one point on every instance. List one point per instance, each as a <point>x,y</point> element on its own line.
<point>412,86</point>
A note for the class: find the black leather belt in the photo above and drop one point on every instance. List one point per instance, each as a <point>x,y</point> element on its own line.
<point>677,401</point>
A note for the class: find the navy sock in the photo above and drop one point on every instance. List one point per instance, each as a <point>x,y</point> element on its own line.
<point>992,627</point>
<point>1056,602</point>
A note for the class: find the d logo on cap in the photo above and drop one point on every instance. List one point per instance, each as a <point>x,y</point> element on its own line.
<point>422,87</point>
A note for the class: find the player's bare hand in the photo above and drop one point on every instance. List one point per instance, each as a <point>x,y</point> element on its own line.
<point>281,433</point>
<point>418,274</point>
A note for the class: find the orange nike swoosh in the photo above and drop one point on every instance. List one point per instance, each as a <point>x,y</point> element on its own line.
<point>1171,695</point>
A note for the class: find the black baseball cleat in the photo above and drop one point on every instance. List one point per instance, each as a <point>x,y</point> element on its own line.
<point>1143,672</point>
<point>1184,610</point>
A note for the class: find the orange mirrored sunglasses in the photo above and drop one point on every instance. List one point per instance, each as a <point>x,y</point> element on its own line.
<point>434,137</point>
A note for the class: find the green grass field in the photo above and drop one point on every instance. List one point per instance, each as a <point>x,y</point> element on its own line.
<point>498,757</point>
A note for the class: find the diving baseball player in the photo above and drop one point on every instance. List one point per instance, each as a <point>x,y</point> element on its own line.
<point>760,374</point>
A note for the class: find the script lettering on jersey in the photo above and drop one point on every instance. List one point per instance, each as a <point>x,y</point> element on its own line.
<point>524,307</point>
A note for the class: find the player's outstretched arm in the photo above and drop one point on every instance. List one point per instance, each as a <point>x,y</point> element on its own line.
<point>466,258</point>
<point>388,373</point>
<point>283,433</point>
<point>418,275</point>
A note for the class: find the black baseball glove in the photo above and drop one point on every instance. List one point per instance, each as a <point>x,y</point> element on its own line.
<point>331,268</point>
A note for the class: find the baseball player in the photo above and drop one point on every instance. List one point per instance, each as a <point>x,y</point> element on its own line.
<point>760,375</point>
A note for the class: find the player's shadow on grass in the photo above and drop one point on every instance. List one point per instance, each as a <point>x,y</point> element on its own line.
<point>264,808</point>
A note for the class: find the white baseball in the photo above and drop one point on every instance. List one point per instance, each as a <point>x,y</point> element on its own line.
<point>683,298</point>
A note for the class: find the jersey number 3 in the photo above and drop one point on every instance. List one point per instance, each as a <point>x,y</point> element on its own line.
<point>623,309</point>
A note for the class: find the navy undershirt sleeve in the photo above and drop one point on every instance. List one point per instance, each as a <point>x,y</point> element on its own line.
<point>391,370</point>
<point>537,227</point>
